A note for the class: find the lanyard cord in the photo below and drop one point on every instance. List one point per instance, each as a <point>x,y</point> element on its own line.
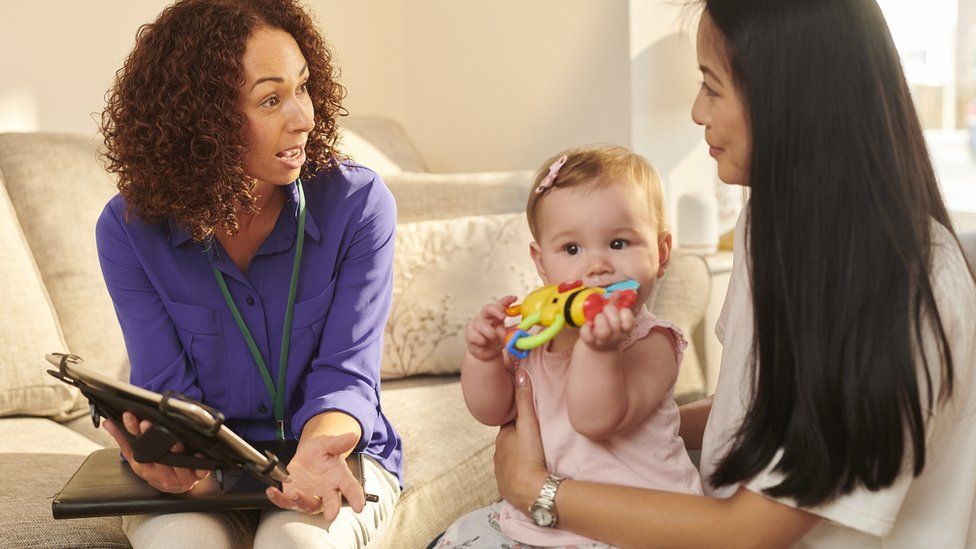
<point>275,390</point>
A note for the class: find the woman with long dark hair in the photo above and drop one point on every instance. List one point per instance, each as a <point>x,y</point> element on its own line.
<point>849,327</point>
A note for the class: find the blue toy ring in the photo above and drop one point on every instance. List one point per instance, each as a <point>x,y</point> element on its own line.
<point>517,353</point>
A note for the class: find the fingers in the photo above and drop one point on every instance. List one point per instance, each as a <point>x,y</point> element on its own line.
<point>491,334</point>
<point>120,439</point>
<point>165,478</point>
<point>330,506</point>
<point>350,488</point>
<point>494,312</point>
<point>304,502</point>
<point>184,477</point>
<point>627,320</point>
<point>131,423</point>
<point>524,405</point>
<point>608,328</point>
<point>277,497</point>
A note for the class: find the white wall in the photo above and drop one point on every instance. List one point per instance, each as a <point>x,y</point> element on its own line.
<point>57,58</point>
<point>478,85</point>
<point>664,83</point>
<point>367,38</point>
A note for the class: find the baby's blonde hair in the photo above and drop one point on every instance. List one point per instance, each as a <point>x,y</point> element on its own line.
<point>600,165</point>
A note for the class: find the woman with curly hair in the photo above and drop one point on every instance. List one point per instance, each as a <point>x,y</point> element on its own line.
<point>250,265</point>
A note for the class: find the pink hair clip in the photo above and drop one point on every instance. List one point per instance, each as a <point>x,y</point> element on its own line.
<point>550,178</point>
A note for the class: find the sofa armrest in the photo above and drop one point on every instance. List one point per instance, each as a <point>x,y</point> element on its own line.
<point>424,196</point>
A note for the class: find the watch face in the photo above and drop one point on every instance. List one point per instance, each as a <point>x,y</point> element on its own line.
<point>542,516</point>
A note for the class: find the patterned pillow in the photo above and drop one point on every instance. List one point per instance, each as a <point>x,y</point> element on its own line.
<point>444,271</point>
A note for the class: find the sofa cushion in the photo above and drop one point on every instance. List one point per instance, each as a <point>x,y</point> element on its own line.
<point>443,273</point>
<point>58,201</point>
<point>448,467</point>
<point>365,153</point>
<point>382,136</point>
<point>28,329</point>
<point>425,196</point>
<point>37,457</point>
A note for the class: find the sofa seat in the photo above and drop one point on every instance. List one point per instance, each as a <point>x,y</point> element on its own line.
<point>448,457</point>
<point>37,456</point>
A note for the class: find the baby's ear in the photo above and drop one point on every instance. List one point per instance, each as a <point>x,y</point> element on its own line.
<point>536,252</point>
<point>663,252</point>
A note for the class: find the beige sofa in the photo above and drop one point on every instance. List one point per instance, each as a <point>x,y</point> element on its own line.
<point>52,190</point>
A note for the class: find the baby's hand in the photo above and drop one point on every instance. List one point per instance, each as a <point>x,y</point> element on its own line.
<point>609,327</point>
<point>485,334</point>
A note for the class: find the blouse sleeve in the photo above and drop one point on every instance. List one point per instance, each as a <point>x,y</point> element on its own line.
<point>345,372</point>
<point>157,358</point>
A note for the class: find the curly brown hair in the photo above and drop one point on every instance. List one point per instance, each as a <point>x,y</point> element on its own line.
<point>173,129</point>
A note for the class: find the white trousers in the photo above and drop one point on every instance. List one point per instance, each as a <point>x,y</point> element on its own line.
<point>269,528</point>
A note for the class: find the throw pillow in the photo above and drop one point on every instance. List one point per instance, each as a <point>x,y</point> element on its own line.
<point>28,329</point>
<point>444,271</point>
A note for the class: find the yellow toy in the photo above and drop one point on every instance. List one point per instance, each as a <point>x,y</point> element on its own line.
<point>556,305</point>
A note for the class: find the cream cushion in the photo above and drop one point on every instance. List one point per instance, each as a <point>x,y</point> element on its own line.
<point>426,196</point>
<point>363,152</point>
<point>69,188</point>
<point>432,304</point>
<point>447,459</point>
<point>28,329</point>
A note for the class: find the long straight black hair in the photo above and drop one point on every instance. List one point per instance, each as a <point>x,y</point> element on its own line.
<point>842,199</point>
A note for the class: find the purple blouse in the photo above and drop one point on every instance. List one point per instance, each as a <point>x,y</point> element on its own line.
<point>180,334</point>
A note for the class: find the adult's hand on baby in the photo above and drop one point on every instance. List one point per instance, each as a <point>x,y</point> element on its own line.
<point>165,478</point>
<point>485,334</point>
<point>520,463</point>
<point>609,327</point>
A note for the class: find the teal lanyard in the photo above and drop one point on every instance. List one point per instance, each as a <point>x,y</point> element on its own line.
<point>276,392</point>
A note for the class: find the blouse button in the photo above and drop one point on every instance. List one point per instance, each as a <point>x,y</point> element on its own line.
<point>250,300</point>
<point>263,409</point>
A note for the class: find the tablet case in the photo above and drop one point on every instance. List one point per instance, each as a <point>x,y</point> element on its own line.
<point>105,485</point>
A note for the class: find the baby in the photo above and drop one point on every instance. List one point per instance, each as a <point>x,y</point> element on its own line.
<point>604,394</point>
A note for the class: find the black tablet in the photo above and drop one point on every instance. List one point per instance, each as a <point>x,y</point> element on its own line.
<point>175,418</point>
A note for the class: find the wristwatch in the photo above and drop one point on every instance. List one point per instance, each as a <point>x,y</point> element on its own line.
<point>543,511</point>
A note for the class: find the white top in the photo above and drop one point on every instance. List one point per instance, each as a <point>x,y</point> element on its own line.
<point>936,509</point>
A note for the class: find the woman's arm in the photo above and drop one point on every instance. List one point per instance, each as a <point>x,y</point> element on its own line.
<point>633,517</point>
<point>694,416</point>
<point>158,360</point>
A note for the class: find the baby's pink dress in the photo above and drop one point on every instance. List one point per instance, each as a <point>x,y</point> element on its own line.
<point>652,455</point>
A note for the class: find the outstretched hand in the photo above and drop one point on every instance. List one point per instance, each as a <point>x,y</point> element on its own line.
<point>319,478</point>
<point>520,463</point>
<point>165,478</point>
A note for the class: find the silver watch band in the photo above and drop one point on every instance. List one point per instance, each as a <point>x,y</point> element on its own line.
<point>548,492</point>
<point>543,510</point>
